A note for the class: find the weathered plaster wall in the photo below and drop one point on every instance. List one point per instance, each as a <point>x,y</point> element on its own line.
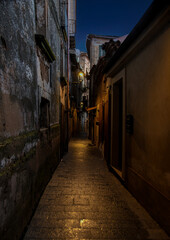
<point>17,68</point>
<point>18,92</point>
<point>24,178</point>
<point>48,13</point>
<point>18,85</point>
<point>28,155</point>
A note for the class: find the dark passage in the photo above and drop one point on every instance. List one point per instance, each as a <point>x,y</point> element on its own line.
<point>84,200</point>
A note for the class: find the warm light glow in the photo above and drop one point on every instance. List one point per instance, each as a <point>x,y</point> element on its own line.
<point>81,222</point>
<point>81,74</point>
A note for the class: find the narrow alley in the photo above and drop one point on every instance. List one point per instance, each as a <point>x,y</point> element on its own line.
<point>83,200</point>
<point>84,120</point>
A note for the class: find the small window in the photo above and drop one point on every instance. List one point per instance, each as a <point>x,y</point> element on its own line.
<point>44,113</point>
<point>101,51</point>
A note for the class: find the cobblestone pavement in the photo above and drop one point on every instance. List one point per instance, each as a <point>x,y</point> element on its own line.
<point>84,200</point>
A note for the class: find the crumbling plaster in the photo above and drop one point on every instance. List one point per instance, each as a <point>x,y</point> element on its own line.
<point>17,68</point>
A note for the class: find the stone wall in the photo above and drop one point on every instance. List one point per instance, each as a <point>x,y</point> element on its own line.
<point>29,87</point>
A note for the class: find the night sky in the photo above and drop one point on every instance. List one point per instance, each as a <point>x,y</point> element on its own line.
<point>107,17</point>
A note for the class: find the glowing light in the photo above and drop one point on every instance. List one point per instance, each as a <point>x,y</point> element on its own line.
<point>81,74</point>
<point>81,222</point>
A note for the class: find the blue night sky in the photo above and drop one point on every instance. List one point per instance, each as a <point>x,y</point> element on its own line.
<point>107,17</point>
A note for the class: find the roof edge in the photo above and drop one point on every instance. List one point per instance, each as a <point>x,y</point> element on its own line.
<point>149,16</point>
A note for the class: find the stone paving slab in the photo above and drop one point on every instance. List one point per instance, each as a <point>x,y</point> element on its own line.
<point>84,201</point>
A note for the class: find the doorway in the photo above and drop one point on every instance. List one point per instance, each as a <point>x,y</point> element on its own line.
<point>116,160</point>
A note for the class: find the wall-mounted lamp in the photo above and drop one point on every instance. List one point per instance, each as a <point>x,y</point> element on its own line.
<point>81,76</point>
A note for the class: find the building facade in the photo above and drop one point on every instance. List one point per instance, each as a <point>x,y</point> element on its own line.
<point>134,115</point>
<point>85,67</point>
<point>103,48</point>
<point>94,46</point>
<point>34,75</point>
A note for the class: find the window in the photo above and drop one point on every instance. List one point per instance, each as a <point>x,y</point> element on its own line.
<point>101,51</point>
<point>44,113</point>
